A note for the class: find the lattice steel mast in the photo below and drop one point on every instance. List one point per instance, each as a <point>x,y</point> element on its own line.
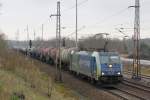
<point>58,43</point>
<point>136,73</point>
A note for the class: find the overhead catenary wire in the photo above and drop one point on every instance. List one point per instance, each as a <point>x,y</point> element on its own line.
<point>100,22</point>
<point>67,9</point>
<point>75,32</point>
<point>104,20</point>
<point>109,17</point>
<point>73,7</point>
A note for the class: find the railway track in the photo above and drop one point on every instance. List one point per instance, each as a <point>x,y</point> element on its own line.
<point>146,77</point>
<point>132,91</point>
<point>125,95</point>
<point>143,76</point>
<point>125,81</point>
<point>129,91</point>
<point>135,92</point>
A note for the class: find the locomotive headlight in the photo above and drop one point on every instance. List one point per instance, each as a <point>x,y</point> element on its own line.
<point>118,73</point>
<point>102,73</point>
<point>110,66</point>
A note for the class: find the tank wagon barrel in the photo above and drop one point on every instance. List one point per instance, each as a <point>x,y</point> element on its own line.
<point>66,55</point>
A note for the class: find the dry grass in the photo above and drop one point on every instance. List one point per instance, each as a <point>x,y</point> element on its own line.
<point>19,74</point>
<point>12,84</point>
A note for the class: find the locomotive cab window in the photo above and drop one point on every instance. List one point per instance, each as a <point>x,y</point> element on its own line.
<point>104,59</point>
<point>109,59</point>
<point>114,59</point>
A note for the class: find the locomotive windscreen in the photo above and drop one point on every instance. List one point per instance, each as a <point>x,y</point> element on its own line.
<point>109,58</point>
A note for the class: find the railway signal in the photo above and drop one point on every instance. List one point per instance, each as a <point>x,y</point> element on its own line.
<point>64,42</point>
<point>30,44</point>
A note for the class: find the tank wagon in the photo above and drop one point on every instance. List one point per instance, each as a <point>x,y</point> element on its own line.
<point>38,53</point>
<point>48,56</point>
<point>66,55</point>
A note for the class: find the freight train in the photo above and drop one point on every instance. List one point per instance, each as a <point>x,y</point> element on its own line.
<point>103,67</point>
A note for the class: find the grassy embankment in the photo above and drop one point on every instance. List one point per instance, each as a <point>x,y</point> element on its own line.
<point>21,78</point>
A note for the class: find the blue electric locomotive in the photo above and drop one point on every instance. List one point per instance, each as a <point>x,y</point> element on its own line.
<point>109,67</point>
<point>103,67</point>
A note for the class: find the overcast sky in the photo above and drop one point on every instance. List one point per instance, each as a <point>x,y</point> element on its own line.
<point>95,16</point>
